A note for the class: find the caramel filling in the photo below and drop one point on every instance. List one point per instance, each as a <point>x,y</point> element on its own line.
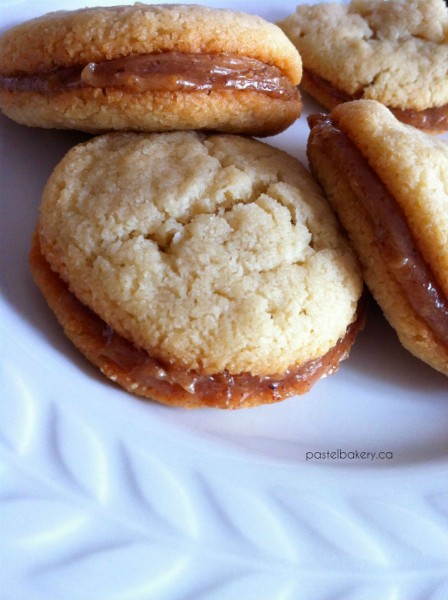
<point>391,231</point>
<point>167,72</point>
<point>145,375</point>
<point>221,388</point>
<point>431,119</point>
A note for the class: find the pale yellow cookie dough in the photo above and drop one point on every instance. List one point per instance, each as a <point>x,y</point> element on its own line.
<point>216,253</point>
<point>72,39</point>
<point>394,52</point>
<point>414,168</point>
<point>67,38</point>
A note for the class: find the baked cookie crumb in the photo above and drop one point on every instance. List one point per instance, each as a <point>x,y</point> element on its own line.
<point>393,52</point>
<point>216,253</point>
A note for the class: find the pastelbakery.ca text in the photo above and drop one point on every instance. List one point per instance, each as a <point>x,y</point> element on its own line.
<point>349,455</point>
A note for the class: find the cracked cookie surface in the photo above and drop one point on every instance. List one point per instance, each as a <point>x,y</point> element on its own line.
<point>48,67</point>
<point>389,185</point>
<point>392,52</point>
<point>213,252</point>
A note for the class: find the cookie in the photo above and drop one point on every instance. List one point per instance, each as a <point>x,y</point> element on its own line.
<point>196,270</point>
<point>150,68</point>
<point>388,182</point>
<point>393,52</point>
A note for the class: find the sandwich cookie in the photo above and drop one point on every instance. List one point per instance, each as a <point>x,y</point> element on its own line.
<point>196,270</point>
<point>393,52</point>
<point>150,68</point>
<point>388,182</point>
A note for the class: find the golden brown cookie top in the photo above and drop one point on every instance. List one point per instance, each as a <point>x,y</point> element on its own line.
<point>69,38</point>
<point>213,252</point>
<point>393,52</point>
<point>414,167</point>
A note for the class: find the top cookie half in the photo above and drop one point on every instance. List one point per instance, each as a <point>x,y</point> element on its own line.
<point>393,52</point>
<point>150,67</point>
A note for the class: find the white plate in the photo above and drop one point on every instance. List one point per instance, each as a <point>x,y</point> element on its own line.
<point>104,496</point>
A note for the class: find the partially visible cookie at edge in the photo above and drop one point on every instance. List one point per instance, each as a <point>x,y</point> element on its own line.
<point>197,270</point>
<point>388,183</point>
<point>150,68</point>
<point>393,52</point>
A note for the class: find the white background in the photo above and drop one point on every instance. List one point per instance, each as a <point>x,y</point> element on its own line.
<point>104,496</point>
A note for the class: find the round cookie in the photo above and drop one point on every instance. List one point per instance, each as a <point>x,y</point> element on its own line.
<point>150,68</point>
<point>393,52</point>
<point>198,270</point>
<point>388,182</point>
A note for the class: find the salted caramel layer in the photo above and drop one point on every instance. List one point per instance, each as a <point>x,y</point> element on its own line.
<point>168,72</point>
<point>431,119</point>
<point>145,375</point>
<point>392,234</point>
<point>221,388</point>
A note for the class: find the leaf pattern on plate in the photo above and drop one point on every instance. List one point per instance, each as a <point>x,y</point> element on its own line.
<point>16,418</point>
<point>411,527</point>
<point>330,533</point>
<point>143,570</point>
<point>70,526</point>
<point>35,521</point>
<point>251,519</point>
<point>127,521</point>
<point>155,493</point>
<point>86,467</point>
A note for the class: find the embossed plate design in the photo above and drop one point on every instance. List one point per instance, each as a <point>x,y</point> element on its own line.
<point>106,497</point>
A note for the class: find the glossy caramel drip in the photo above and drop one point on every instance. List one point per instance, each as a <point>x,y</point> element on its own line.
<point>430,119</point>
<point>169,72</point>
<point>392,234</point>
<point>138,372</point>
<point>221,388</point>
